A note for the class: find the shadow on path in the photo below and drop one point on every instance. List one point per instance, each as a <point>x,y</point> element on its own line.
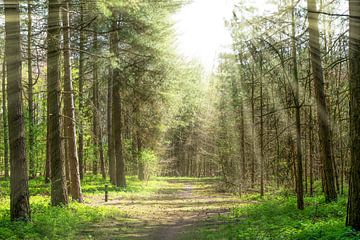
<point>170,214</point>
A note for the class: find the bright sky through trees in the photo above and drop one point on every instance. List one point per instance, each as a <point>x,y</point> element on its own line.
<point>201,31</point>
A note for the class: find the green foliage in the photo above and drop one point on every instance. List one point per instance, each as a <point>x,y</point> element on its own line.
<point>95,185</point>
<point>150,162</point>
<point>278,218</point>
<point>51,222</point>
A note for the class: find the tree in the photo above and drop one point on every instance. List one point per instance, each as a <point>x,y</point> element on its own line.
<point>5,122</point>
<point>58,180</point>
<point>110,139</point>
<point>322,110</point>
<point>116,111</point>
<point>69,111</point>
<point>19,196</point>
<point>97,131</point>
<point>353,211</point>
<point>30,93</point>
<point>299,167</point>
<point>81,87</point>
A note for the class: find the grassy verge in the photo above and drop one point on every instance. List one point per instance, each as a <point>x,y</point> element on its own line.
<point>66,222</point>
<point>276,217</point>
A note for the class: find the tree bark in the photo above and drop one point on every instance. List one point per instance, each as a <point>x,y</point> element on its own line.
<point>242,141</point>
<point>48,150</point>
<point>253,154</point>
<point>322,111</point>
<point>353,211</point>
<point>111,151</point>
<point>5,121</point>
<point>81,86</point>
<point>69,111</point>
<point>30,93</point>
<point>97,131</point>
<point>299,167</point>
<point>19,195</point>
<point>58,180</point>
<point>116,114</point>
<point>262,187</point>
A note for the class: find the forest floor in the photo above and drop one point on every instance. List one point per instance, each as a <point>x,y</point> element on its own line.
<point>176,211</point>
<point>175,208</point>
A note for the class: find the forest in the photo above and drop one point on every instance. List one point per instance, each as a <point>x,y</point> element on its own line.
<point>108,131</point>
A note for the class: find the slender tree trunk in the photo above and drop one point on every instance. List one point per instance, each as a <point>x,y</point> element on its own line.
<point>30,93</point>
<point>353,210</point>
<point>242,144</point>
<point>117,119</point>
<point>311,152</point>
<point>58,180</point>
<point>48,150</point>
<point>299,167</point>
<point>5,121</point>
<point>306,160</point>
<point>66,154</point>
<point>322,111</point>
<point>141,166</point>
<point>262,187</point>
<point>311,137</point>
<point>253,154</point>
<point>69,110</point>
<point>19,195</point>
<point>339,130</point>
<point>96,113</point>
<point>101,153</point>
<point>81,90</point>
<point>95,122</point>
<point>111,151</point>
<point>138,141</point>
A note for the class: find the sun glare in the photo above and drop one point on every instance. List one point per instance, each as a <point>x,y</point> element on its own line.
<point>201,31</point>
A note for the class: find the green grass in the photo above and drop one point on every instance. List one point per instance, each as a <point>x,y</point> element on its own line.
<point>66,222</point>
<point>276,217</point>
<point>273,217</point>
<point>51,222</point>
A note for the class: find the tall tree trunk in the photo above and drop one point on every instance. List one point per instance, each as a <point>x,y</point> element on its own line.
<point>5,121</point>
<point>239,109</point>
<point>116,116</point>
<point>48,150</point>
<point>97,131</point>
<point>322,111</point>
<point>111,151</point>
<point>262,187</point>
<point>30,93</point>
<point>19,196</point>
<point>81,86</point>
<point>253,154</point>
<point>69,111</point>
<point>353,211</point>
<point>95,122</point>
<point>311,137</point>
<point>311,152</point>
<point>299,167</point>
<point>58,180</point>
<point>242,141</point>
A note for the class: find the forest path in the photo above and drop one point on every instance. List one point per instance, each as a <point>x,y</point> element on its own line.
<point>172,213</point>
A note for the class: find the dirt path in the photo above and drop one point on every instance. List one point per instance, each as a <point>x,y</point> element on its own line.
<point>170,214</point>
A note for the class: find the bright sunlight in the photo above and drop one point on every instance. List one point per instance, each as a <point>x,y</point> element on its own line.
<point>180,120</point>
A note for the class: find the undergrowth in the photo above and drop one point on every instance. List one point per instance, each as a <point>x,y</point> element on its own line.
<point>48,222</point>
<point>275,217</point>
